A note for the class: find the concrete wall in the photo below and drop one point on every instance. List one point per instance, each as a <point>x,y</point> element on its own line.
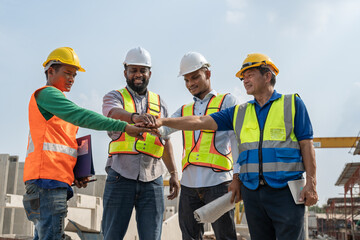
<point>12,219</point>
<point>94,188</point>
<point>4,170</point>
<point>84,208</point>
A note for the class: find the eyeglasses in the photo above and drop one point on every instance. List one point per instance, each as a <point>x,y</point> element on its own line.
<point>248,64</point>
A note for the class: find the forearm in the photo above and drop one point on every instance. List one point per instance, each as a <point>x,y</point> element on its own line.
<point>308,155</point>
<point>122,114</point>
<point>96,121</point>
<point>52,101</point>
<point>190,123</point>
<point>308,193</point>
<point>168,157</point>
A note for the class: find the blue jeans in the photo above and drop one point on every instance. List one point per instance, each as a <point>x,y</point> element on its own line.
<point>47,209</point>
<point>194,198</point>
<point>121,195</point>
<point>272,214</point>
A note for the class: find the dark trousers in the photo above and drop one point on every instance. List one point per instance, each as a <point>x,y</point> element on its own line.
<point>194,198</point>
<point>272,214</point>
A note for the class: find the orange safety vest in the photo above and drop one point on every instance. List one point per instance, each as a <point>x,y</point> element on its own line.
<point>203,151</point>
<point>52,147</point>
<point>125,144</point>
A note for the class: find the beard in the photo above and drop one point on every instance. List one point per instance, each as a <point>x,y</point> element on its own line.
<point>139,88</point>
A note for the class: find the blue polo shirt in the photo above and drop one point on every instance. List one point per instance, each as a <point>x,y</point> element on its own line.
<point>302,129</point>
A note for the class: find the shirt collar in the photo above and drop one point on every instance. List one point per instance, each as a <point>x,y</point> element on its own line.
<point>273,97</point>
<point>135,94</point>
<point>208,96</point>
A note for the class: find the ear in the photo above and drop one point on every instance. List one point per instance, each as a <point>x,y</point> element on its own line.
<point>268,76</point>
<point>149,74</point>
<point>208,74</point>
<point>125,73</point>
<point>51,71</point>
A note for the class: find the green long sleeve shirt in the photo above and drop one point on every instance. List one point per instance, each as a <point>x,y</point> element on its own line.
<point>52,101</point>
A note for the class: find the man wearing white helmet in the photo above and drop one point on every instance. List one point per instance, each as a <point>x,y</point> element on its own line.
<point>52,147</point>
<point>207,160</point>
<point>134,167</point>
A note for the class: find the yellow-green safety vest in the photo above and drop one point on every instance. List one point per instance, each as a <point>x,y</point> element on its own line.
<point>125,144</point>
<point>203,152</point>
<point>273,152</point>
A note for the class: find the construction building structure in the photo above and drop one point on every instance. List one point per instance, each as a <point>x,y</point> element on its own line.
<point>342,214</point>
<point>85,207</point>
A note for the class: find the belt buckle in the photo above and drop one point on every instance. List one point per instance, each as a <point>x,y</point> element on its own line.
<point>262,182</point>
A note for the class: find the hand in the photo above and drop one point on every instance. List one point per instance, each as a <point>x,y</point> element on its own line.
<point>309,194</point>
<point>137,132</point>
<point>81,182</point>
<point>159,122</point>
<point>234,187</point>
<point>145,119</point>
<point>156,124</point>
<point>174,186</point>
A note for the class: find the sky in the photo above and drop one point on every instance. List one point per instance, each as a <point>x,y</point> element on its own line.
<point>314,43</point>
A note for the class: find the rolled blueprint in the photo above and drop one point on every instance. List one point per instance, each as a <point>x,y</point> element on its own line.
<point>215,209</point>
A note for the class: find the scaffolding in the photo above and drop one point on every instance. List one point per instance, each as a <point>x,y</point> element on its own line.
<point>349,205</point>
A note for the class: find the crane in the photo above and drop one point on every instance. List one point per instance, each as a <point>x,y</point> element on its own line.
<point>337,142</point>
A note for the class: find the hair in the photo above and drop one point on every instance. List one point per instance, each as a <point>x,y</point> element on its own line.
<point>264,70</point>
<point>126,66</point>
<point>56,67</point>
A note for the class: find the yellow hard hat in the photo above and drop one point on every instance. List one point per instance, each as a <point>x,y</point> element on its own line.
<point>255,60</point>
<point>65,55</point>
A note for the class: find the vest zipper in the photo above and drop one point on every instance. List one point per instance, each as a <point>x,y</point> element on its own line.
<point>261,177</point>
<point>261,173</point>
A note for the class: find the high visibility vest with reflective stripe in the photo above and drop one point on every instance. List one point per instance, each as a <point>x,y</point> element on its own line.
<point>52,147</point>
<point>203,152</point>
<point>126,144</point>
<point>275,151</point>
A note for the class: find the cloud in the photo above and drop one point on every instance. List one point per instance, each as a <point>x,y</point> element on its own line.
<point>272,17</point>
<point>234,17</point>
<point>92,101</point>
<point>235,14</point>
<point>317,17</point>
<point>236,4</point>
<point>240,94</point>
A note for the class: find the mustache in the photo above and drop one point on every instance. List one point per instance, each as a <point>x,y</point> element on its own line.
<point>137,78</point>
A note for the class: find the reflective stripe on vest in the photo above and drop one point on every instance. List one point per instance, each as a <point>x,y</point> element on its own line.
<point>281,158</point>
<point>126,144</point>
<point>204,152</point>
<point>52,147</point>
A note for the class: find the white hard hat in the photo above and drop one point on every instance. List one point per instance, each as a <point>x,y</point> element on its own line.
<point>191,62</point>
<point>138,56</point>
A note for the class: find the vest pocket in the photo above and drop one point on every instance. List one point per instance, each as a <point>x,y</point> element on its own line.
<point>287,163</point>
<point>278,134</point>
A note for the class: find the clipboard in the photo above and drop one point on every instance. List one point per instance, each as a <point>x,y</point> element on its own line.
<point>296,186</point>
<point>84,164</point>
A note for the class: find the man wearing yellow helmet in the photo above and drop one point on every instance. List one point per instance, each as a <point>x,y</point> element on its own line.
<point>274,135</point>
<point>52,147</point>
